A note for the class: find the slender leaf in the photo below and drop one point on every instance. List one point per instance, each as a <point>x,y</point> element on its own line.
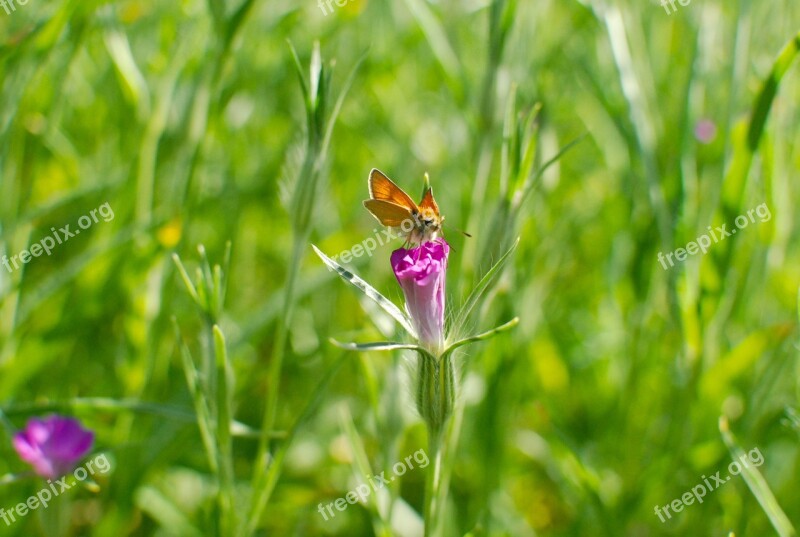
<point>204,422</point>
<point>187,281</point>
<point>476,294</point>
<point>769,90</point>
<point>223,429</point>
<point>757,484</point>
<point>533,180</point>
<point>381,346</point>
<point>483,336</point>
<point>387,305</point>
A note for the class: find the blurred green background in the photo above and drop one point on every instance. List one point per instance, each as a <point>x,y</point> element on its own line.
<point>570,124</point>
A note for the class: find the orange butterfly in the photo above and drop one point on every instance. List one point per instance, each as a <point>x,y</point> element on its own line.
<point>392,207</point>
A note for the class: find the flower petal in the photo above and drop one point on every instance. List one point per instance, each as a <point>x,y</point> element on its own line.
<point>53,445</point>
<point>421,274</point>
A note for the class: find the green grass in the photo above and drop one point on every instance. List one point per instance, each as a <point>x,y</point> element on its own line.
<point>217,392</point>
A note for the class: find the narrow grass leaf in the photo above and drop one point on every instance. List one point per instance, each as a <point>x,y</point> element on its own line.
<point>768,91</point>
<point>746,144</point>
<point>475,296</point>
<point>381,346</point>
<point>757,484</point>
<point>203,415</point>
<point>489,334</point>
<point>387,305</point>
<point>224,418</point>
<point>187,281</point>
<point>532,180</point>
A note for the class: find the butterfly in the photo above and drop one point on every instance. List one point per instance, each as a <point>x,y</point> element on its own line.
<point>392,207</point>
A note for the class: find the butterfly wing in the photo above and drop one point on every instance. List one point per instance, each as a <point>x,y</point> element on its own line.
<point>383,189</point>
<point>388,213</point>
<point>428,207</point>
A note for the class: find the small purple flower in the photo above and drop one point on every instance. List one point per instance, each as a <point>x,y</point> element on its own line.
<point>705,131</point>
<point>53,445</point>
<point>421,273</point>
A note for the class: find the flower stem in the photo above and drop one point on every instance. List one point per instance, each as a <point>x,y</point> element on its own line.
<point>435,399</point>
<point>432,485</point>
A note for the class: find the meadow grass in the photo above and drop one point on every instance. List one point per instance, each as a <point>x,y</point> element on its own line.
<point>196,332</point>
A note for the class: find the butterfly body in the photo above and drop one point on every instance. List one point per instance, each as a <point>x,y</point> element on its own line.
<point>392,207</point>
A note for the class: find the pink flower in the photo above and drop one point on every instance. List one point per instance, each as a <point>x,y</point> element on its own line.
<point>53,445</point>
<point>421,273</point>
<point>705,131</point>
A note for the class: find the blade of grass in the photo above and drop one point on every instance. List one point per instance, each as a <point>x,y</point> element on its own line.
<point>381,346</point>
<point>204,422</point>
<point>757,484</point>
<point>475,296</point>
<point>386,305</point>
<point>483,336</point>
<point>745,146</point>
<point>225,385</point>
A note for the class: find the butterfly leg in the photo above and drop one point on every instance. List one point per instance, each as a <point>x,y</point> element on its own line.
<point>408,243</point>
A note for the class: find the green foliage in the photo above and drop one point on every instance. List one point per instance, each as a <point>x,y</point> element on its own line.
<point>250,128</point>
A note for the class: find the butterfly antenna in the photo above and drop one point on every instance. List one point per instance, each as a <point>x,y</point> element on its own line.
<point>455,228</point>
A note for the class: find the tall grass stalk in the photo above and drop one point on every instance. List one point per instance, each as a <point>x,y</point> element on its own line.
<point>212,390</point>
<point>320,119</point>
